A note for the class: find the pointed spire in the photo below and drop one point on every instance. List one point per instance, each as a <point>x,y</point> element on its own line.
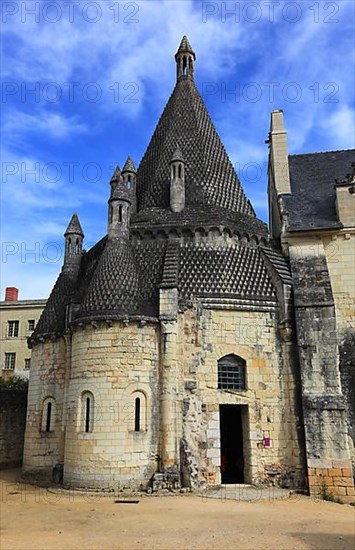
<point>129,166</point>
<point>185,47</point>
<point>117,174</point>
<point>74,227</point>
<point>185,58</point>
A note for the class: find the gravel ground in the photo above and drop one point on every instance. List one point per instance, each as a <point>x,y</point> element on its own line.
<point>34,518</point>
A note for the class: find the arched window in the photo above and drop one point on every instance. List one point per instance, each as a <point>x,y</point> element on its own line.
<point>110,213</point>
<point>48,415</point>
<point>137,414</point>
<point>174,170</point>
<point>69,246</point>
<point>180,171</point>
<point>139,411</point>
<point>77,246</point>
<point>184,65</point>
<point>231,373</point>
<point>120,213</point>
<point>87,412</point>
<point>128,182</point>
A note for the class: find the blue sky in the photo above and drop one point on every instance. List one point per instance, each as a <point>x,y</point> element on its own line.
<point>84,84</point>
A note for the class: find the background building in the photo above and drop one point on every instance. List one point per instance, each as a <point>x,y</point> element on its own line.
<point>18,321</point>
<point>312,218</point>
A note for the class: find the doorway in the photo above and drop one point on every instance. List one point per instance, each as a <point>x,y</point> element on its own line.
<point>232,455</point>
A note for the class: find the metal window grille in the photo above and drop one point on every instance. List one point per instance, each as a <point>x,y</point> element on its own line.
<point>27,363</point>
<point>10,360</point>
<point>31,325</point>
<point>231,374</point>
<point>13,328</point>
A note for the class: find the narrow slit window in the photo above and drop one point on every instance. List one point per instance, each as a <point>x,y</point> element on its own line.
<point>49,417</point>
<point>87,414</point>
<point>137,414</point>
<point>120,214</point>
<point>184,65</point>
<point>180,171</point>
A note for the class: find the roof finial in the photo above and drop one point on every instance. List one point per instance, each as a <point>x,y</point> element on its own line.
<point>185,58</point>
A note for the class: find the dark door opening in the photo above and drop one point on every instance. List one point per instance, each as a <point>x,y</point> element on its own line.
<point>232,458</point>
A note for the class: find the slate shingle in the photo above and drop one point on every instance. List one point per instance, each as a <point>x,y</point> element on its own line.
<point>209,175</point>
<point>312,202</point>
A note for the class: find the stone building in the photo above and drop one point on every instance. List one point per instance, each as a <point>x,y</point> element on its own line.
<point>312,218</point>
<point>167,353</point>
<point>18,320</point>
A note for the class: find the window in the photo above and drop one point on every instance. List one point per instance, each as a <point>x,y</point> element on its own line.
<point>10,360</point>
<point>48,415</point>
<point>231,373</point>
<point>27,363</point>
<point>137,414</point>
<point>13,329</point>
<point>31,325</point>
<point>120,214</point>
<point>139,406</point>
<point>87,412</point>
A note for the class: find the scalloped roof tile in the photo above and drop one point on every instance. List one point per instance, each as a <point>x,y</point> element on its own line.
<point>210,178</point>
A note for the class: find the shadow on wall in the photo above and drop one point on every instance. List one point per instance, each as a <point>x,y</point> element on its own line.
<point>13,406</point>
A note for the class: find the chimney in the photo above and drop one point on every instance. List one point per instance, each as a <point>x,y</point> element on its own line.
<point>278,158</point>
<point>11,294</point>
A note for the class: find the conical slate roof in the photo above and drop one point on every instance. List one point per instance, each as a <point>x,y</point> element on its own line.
<point>210,178</point>
<point>115,284</point>
<point>120,192</point>
<point>129,166</point>
<point>220,254</point>
<point>185,47</point>
<point>74,227</point>
<point>117,174</point>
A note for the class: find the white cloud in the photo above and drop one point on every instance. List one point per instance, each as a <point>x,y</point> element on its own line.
<point>341,126</point>
<point>17,125</point>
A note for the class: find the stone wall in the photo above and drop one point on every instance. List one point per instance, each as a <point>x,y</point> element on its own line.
<point>44,449</point>
<point>116,364</point>
<point>13,405</point>
<point>327,445</point>
<point>272,431</point>
<point>340,253</point>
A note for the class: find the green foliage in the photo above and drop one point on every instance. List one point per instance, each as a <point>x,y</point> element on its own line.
<point>327,495</point>
<point>14,383</point>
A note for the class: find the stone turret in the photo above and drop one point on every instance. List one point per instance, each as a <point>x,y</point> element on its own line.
<point>185,58</point>
<point>73,243</point>
<point>119,206</point>
<point>129,174</point>
<point>177,181</point>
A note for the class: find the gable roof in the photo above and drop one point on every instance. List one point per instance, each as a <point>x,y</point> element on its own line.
<point>312,202</point>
